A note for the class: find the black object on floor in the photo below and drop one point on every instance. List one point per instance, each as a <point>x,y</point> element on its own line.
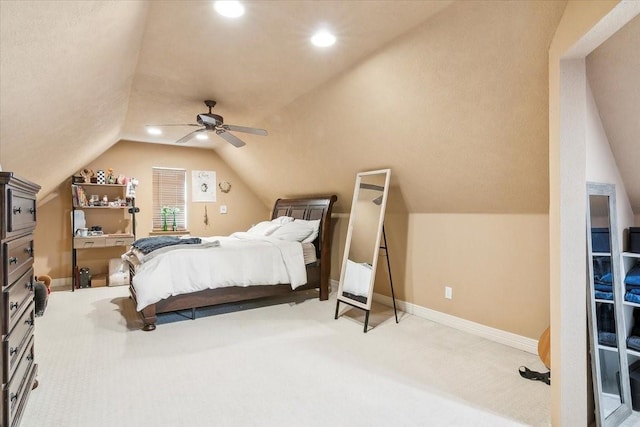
<point>41,297</point>
<point>527,373</point>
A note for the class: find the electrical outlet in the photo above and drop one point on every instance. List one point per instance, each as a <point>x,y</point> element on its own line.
<point>448,292</point>
<point>223,209</point>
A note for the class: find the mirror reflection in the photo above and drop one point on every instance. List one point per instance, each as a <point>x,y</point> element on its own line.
<point>365,223</point>
<point>603,292</point>
<point>364,236</point>
<point>606,309</point>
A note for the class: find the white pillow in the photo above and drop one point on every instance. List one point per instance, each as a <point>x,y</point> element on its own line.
<point>282,220</point>
<point>293,231</point>
<point>264,228</point>
<point>315,225</point>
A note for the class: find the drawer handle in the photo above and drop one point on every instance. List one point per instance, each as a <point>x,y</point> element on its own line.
<point>29,250</point>
<point>13,260</point>
<point>29,322</point>
<point>13,398</point>
<point>17,210</point>
<point>32,210</point>
<point>13,350</point>
<point>29,357</point>
<point>28,285</point>
<point>13,305</point>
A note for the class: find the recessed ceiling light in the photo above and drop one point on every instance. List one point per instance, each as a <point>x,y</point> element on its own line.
<point>229,8</point>
<point>323,38</point>
<point>202,136</point>
<point>154,131</point>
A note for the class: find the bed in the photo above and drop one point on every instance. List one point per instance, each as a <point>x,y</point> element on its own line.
<point>312,210</point>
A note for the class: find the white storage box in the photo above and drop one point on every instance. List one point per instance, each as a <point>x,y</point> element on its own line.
<point>118,272</point>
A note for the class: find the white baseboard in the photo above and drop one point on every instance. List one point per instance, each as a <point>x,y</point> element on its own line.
<point>503,337</point>
<point>64,282</point>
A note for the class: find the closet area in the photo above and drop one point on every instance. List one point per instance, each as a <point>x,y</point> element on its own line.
<point>613,282</point>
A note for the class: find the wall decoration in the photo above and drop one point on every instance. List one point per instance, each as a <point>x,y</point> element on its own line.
<point>203,186</point>
<point>224,186</point>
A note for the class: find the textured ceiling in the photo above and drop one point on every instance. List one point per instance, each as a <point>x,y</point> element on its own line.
<point>453,96</point>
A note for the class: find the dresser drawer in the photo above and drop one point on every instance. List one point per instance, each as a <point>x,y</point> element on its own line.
<point>21,212</point>
<point>16,298</point>
<point>18,258</point>
<point>18,389</point>
<point>89,242</point>
<point>14,344</point>
<point>118,241</point>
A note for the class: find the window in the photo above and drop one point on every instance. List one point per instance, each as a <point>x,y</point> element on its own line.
<point>169,189</point>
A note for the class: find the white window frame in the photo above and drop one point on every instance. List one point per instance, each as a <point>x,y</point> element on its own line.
<point>169,189</point>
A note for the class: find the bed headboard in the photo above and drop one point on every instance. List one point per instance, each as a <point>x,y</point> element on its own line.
<point>312,208</point>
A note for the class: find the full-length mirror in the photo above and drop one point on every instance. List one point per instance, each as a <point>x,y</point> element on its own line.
<point>612,397</point>
<point>364,235</point>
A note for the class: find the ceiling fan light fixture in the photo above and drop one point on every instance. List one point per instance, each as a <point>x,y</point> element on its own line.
<point>323,38</point>
<point>202,136</point>
<point>229,8</point>
<point>154,131</point>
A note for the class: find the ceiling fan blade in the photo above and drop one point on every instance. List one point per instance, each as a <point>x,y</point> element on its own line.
<point>174,124</point>
<point>245,129</point>
<point>188,136</point>
<point>231,139</point>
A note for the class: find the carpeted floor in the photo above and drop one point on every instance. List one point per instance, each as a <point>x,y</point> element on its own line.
<point>289,364</point>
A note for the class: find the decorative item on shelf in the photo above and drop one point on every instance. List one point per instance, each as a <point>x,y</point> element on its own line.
<point>101,177</point>
<point>87,174</point>
<point>105,200</point>
<point>121,179</point>
<point>110,179</point>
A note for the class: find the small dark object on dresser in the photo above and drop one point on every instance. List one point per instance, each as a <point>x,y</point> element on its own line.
<point>41,296</point>
<point>634,239</point>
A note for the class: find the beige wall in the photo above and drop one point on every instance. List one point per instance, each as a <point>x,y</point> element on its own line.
<point>53,232</point>
<point>496,264</point>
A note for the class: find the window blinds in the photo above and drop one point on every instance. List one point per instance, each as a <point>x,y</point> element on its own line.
<point>169,189</point>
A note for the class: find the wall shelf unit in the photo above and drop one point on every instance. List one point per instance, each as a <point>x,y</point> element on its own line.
<point>100,220</point>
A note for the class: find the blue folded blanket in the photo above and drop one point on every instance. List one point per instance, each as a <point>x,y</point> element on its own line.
<point>603,288</point>
<point>631,297</point>
<point>633,277</point>
<point>633,342</point>
<point>605,278</point>
<point>150,244</point>
<point>607,338</point>
<point>606,295</point>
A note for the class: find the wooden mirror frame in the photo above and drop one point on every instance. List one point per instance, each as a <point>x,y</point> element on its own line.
<point>623,410</point>
<point>366,305</point>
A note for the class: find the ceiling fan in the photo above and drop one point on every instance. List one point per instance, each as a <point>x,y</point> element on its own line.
<point>209,122</point>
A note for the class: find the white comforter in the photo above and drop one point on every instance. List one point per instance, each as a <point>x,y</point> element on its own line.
<point>241,259</point>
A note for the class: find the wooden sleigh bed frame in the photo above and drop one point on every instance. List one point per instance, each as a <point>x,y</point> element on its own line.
<point>318,273</point>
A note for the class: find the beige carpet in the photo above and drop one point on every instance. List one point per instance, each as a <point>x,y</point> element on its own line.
<point>290,364</point>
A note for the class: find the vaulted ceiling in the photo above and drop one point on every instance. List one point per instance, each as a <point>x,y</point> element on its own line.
<point>452,96</point>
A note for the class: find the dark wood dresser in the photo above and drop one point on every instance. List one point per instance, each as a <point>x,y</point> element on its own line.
<point>17,314</point>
